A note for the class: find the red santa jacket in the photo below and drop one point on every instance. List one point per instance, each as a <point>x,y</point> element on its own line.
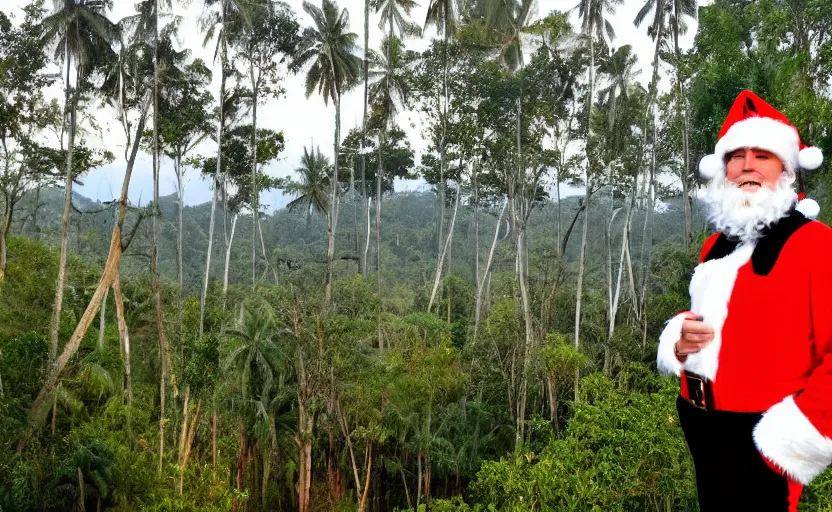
<point>770,305</point>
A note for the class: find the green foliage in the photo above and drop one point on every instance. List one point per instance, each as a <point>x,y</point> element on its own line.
<point>621,451</point>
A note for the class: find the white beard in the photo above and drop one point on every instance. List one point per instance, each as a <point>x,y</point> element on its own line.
<point>744,215</point>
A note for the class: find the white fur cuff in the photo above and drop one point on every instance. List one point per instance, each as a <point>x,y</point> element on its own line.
<point>788,439</point>
<point>666,357</point>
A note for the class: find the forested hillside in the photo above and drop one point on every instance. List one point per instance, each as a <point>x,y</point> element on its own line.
<point>483,345</point>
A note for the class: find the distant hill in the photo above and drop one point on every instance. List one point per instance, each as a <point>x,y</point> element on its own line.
<point>296,243</point>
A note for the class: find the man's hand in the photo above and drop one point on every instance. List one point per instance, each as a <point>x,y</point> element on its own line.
<point>696,335</point>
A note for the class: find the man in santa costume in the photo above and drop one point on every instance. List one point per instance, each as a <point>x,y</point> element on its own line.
<point>754,353</point>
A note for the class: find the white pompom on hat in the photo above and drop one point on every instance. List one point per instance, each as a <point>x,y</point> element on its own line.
<point>753,123</point>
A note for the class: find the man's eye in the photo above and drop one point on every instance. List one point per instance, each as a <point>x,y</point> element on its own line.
<point>762,157</point>
<point>738,156</point>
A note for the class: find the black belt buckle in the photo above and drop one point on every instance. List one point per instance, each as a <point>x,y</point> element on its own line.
<point>700,392</point>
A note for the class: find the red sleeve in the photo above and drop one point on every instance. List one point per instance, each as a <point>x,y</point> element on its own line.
<point>816,399</point>
<point>706,247</point>
<point>796,433</point>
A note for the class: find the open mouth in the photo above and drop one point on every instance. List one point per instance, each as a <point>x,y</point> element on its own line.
<point>750,185</point>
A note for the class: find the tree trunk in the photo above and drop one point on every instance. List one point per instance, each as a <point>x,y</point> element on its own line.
<point>368,473</point>
<point>255,194</point>
<point>4,235</point>
<point>214,450</point>
<point>220,129</point>
<point>228,260</point>
<point>348,438</point>
<point>306,422</point>
<point>164,347</point>
<point>183,436</point>
<point>445,248</point>
<point>263,252</point>
<point>363,259</point>
<point>81,497</point>
<point>102,320</point>
<point>685,146</point>
<point>481,280</point>
<point>579,291</point>
<point>72,105</point>
<point>647,240</point>
<point>189,442</point>
<point>179,235</point>
<point>332,214</point>
<point>240,470</point>
<point>379,176</point>
<point>124,337</point>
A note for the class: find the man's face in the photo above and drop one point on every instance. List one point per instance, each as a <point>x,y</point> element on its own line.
<point>752,168</point>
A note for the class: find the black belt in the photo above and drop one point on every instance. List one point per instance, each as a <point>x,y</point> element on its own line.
<point>700,391</point>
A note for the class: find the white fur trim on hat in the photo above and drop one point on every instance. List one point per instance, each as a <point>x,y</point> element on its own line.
<point>764,133</point>
<point>810,158</point>
<point>809,208</point>
<point>711,166</point>
<point>788,439</point>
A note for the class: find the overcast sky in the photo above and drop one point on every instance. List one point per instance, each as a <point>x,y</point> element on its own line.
<point>302,120</point>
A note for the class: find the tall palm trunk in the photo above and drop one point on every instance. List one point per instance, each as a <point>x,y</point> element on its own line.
<point>164,347</point>
<point>685,145</point>
<point>363,256</point>
<point>581,264</point>
<point>332,216</point>
<point>71,102</point>
<point>255,194</point>
<point>217,174</point>
<point>179,236</point>
<point>442,136</point>
<point>520,212</point>
<point>379,176</point>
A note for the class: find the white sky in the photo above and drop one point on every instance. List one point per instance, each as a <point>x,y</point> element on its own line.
<point>302,120</point>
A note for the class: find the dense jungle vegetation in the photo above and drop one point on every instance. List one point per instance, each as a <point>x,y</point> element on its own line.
<point>484,345</point>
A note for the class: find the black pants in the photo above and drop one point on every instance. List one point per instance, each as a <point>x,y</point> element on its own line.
<point>730,473</point>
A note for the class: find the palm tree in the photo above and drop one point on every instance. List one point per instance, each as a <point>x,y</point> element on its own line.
<point>335,68</point>
<point>82,35</point>
<point>621,70</point>
<point>389,89</point>
<point>253,360</point>
<point>393,13</point>
<point>593,25</point>
<point>311,191</point>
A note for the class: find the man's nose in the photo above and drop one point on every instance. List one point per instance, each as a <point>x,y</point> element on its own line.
<point>749,164</point>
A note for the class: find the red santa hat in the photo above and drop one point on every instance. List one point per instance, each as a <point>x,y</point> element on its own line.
<point>753,123</point>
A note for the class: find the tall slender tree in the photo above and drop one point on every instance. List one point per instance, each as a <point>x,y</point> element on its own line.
<point>442,14</point>
<point>231,13</point>
<point>335,68</point>
<point>269,41</point>
<point>594,25</point>
<point>682,9</point>
<point>81,34</point>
